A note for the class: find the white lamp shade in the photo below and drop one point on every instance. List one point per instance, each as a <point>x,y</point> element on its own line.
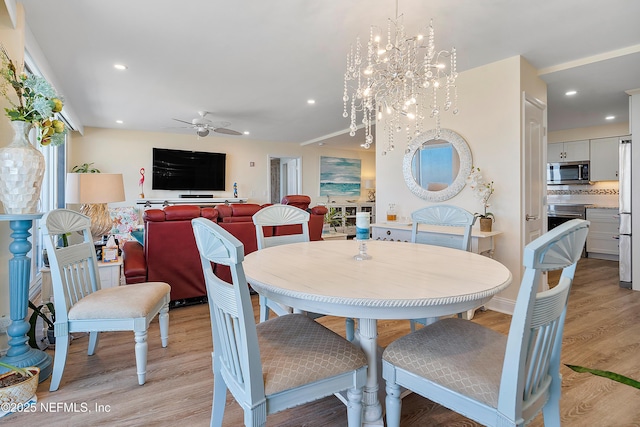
<point>87,188</point>
<point>369,183</point>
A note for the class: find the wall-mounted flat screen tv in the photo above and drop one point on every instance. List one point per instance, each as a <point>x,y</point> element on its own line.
<point>188,170</point>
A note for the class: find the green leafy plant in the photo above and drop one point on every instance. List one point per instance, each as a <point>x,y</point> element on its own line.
<point>35,101</point>
<point>85,168</point>
<point>48,318</point>
<point>21,371</point>
<point>606,374</point>
<point>333,217</point>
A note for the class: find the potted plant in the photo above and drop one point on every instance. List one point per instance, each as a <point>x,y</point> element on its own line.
<point>18,385</point>
<point>333,218</point>
<point>85,168</point>
<point>49,319</point>
<point>483,191</point>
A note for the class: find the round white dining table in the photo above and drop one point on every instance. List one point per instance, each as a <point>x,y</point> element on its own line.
<point>401,281</point>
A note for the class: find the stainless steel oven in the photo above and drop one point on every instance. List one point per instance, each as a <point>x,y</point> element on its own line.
<point>560,213</point>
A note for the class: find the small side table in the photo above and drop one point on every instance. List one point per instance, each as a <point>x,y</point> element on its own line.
<point>109,278</point>
<point>19,353</point>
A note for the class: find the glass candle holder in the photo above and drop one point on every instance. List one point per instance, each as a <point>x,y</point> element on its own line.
<point>362,235</point>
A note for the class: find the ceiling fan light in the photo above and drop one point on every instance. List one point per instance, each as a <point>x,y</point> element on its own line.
<point>202,132</point>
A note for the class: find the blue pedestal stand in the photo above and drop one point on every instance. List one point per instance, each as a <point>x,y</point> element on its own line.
<point>19,353</point>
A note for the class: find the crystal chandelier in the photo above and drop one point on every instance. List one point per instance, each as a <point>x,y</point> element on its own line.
<point>396,79</point>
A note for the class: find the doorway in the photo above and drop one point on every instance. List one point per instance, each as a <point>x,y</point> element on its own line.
<point>285,177</point>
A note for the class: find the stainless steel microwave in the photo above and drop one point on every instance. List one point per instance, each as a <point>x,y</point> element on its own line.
<point>568,173</point>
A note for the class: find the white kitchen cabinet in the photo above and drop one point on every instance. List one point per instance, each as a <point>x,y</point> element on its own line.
<point>604,159</point>
<point>347,215</point>
<point>572,151</point>
<point>602,240</point>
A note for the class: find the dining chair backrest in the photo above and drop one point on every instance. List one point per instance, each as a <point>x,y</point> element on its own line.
<point>77,263</point>
<point>444,215</point>
<point>233,326</point>
<point>530,374</point>
<point>281,215</point>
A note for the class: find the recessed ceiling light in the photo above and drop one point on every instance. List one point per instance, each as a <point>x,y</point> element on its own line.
<point>570,92</point>
<point>311,101</point>
<point>120,67</point>
<point>246,132</point>
<point>119,122</point>
<point>610,117</point>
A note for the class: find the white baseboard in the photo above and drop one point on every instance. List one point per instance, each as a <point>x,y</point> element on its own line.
<point>501,305</point>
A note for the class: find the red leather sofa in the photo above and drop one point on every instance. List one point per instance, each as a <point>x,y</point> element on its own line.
<point>169,253</point>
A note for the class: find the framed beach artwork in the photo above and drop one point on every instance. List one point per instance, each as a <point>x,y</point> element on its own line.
<point>339,176</point>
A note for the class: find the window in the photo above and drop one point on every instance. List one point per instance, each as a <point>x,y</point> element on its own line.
<point>52,192</point>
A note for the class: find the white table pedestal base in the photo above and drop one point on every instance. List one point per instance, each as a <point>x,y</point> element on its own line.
<point>366,337</point>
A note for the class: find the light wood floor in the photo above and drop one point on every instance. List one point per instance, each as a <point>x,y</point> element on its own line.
<point>602,331</point>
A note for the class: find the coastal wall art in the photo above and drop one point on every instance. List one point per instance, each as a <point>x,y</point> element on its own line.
<point>339,176</point>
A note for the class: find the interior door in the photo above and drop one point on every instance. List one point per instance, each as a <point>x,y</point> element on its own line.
<point>533,171</point>
<point>292,177</point>
<point>285,177</point>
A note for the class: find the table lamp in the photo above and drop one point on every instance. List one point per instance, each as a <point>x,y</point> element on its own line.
<point>370,185</point>
<point>93,191</point>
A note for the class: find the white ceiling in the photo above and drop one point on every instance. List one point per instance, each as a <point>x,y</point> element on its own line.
<point>255,63</point>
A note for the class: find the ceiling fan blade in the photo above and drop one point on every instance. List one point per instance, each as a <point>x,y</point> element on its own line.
<point>182,121</point>
<point>227,131</point>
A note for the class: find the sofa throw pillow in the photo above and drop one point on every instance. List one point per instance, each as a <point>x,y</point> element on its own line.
<point>138,235</point>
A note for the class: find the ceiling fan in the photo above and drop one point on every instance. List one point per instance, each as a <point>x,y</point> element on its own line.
<point>203,126</point>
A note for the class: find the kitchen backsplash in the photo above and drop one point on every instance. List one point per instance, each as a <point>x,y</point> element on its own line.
<point>599,193</point>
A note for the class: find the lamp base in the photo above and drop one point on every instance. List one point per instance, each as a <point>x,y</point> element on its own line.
<point>372,195</point>
<point>101,222</point>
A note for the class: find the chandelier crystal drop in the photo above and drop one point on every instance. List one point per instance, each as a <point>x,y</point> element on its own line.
<point>402,77</point>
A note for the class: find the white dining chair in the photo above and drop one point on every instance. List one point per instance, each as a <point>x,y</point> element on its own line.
<point>279,216</point>
<point>443,215</point>
<point>494,379</point>
<point>82,306</point>
<point>277,364</point>
<point>285,216</point>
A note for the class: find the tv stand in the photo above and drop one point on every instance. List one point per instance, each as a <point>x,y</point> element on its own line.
<point>198,201</point>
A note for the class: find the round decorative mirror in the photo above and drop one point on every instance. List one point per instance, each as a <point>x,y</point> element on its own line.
<point>435,169</point>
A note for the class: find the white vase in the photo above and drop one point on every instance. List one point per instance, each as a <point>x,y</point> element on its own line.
<point>21,172</point>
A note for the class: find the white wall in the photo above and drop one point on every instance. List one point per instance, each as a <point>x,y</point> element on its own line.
<point>121,151</point>
<point>634,118</point>
<point>489,101</point>
<point>593,132</point>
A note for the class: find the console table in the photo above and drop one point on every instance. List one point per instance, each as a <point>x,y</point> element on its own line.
<point>482,242</point>
<point>198,201</point>
<point>347,214</point>
<point>19,353</point>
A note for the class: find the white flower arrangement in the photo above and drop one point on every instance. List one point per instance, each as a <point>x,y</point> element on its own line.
<point>481,189</point>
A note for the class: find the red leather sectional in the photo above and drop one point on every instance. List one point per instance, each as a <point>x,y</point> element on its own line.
<point>169,253</point>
